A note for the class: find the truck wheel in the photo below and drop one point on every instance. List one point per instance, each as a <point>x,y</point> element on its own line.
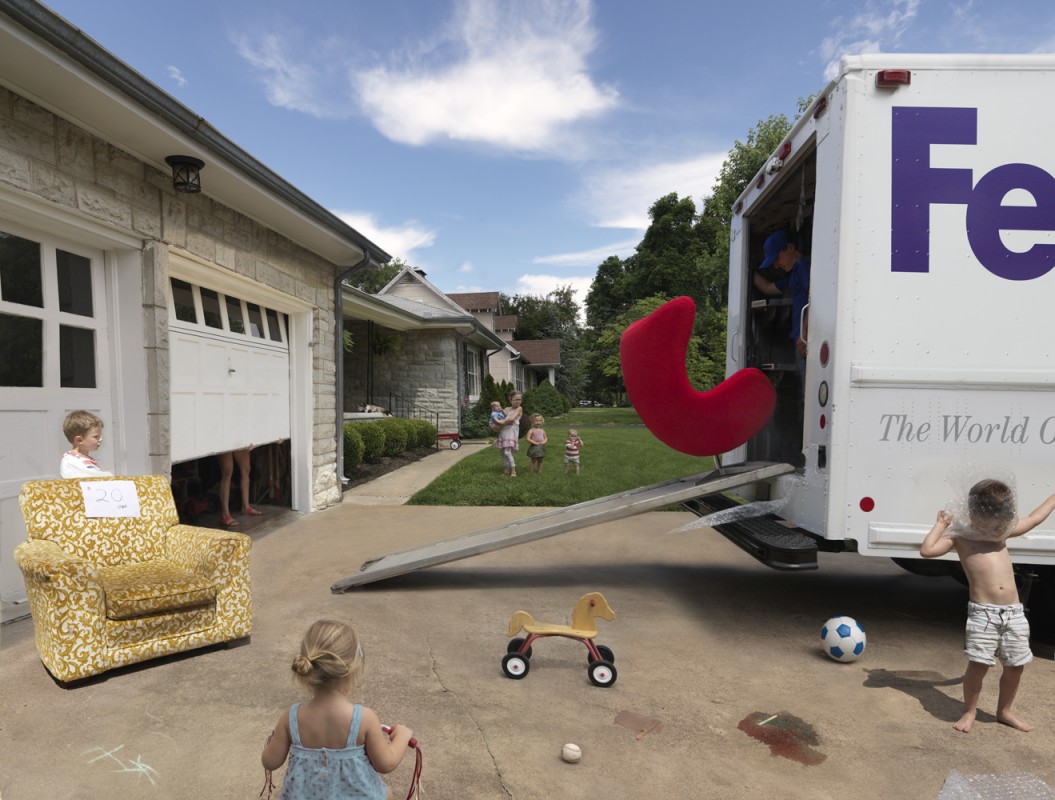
<point>1041,607</point>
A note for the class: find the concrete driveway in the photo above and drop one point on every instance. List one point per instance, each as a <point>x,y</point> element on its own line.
<point>716,654</point>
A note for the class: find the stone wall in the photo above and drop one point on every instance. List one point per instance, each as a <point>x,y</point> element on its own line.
<point>423,370</point>
<point>46,156</point>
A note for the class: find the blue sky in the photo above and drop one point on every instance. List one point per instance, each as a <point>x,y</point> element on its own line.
<point>513,146</point>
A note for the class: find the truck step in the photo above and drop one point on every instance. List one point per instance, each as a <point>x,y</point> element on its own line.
<point>765,538</point>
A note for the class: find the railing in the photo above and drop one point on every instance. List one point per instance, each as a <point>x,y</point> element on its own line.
<point>399,406</point>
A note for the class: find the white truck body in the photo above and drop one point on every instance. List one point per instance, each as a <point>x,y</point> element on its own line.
<point>929,213</point>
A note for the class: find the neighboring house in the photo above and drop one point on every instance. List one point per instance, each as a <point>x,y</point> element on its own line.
<point>540,357</point>
<point>414,352</point>
<point>192,323</point>
<point>522,362</point>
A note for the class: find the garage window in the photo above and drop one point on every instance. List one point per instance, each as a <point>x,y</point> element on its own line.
<point>209,308</point>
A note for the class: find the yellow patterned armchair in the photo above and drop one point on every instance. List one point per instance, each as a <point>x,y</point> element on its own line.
<point>110,591</point>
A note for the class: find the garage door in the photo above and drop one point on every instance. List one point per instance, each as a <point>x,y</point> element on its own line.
<point>53,359</point>
<point>230,373</point>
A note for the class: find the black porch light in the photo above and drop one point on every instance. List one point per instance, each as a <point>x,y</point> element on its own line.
<point>186,173</point>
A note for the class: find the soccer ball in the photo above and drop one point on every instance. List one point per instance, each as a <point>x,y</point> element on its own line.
<point>843,638</point>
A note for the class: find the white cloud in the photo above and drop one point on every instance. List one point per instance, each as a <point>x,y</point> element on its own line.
<point>465,267</point>
<point>176,75</point>
<point>291,81</point>
<point>878,27</point>
<point>589,258</point>
<point>519,79</point>
<point>400,241</point>
<point>621,198</point>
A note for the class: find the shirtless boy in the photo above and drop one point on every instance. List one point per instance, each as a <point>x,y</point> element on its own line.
<point>996,621</point>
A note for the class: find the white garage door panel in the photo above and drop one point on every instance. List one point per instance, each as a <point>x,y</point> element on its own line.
<point>213,365</point>
<point>209,421</point>
<point>182,425</point>
<point>238,369</point>
<point>184,360</point>
<point>226,393</point>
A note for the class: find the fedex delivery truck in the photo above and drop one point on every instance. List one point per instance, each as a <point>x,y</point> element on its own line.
<point>922,191</point>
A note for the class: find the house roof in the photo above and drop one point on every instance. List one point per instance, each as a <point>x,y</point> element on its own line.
<point>412,279</point>
<point>506,323</point>
<point>404,314</point>
<point>478,301</point>
<point>53,64</point>
<point>539,352</point>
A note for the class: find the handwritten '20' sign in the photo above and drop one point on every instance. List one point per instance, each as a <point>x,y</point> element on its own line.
<point>110,499</point>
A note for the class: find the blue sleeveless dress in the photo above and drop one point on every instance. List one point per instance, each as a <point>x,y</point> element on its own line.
<point>325,774</point>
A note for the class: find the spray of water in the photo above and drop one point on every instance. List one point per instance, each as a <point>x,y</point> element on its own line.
<point>747,511</point>
<point>960,483</point>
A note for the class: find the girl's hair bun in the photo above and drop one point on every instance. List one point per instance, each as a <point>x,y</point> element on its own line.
<point>302,666</point>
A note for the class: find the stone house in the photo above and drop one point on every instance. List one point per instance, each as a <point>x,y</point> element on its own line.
<point>421,353</point>
<point>415,352</point>
<point>191,322</point>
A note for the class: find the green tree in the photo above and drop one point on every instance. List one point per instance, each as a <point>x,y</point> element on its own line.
<point>375,279</point>
<point>554,316</point>
<point>666,261</point>
<point>608,295</point>
<point>742,164</point>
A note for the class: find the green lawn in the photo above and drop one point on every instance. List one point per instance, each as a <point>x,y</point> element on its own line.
<point>618,454</point>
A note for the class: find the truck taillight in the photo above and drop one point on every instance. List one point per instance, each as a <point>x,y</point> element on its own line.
<point>892,78</point>
<point>825,354</point>
<point>820,106</point>
<point>761,181</point>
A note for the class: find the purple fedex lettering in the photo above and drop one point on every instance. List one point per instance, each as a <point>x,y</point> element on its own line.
<point>915,186</point>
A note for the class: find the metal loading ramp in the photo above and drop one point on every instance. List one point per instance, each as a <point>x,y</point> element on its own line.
<point>560,520</point>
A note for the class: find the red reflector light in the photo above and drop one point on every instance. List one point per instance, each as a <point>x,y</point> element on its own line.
<point>825,354</point>
<point>761,181</point>
<point>824,422</point>
<point>867,504</point>
<point>888,78</point>
<point>820,106</point>
<point>784,151</point>
<point>739,207</point>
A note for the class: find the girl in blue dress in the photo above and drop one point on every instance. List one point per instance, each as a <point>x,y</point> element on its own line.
<point>336,748</point>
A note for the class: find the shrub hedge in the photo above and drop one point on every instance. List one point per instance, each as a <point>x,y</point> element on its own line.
<point>396,435</point>
<point>373,437</point>
<point>424,433</point>
<point>353,448</point>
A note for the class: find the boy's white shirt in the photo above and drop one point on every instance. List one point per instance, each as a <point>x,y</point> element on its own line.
<point>78,465</point>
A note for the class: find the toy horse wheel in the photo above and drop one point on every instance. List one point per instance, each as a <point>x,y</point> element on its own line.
<point>516,666</point>
<point>515,645</point>
<point>602,673</point>
<point>606,654</point>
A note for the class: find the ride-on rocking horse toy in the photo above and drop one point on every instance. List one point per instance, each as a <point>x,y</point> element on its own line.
<point>601,660</point>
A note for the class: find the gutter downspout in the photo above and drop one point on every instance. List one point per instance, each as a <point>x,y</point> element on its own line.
<point>338,308</point>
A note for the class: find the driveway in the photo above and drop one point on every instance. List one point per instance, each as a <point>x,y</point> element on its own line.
<point>722,691</point>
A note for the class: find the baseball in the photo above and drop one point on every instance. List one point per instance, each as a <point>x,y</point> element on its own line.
<point>571,753</point>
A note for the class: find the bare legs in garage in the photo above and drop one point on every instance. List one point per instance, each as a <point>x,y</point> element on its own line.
<point>227,462</point>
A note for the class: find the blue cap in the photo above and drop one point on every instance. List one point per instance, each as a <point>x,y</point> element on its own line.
<point>776,242</point>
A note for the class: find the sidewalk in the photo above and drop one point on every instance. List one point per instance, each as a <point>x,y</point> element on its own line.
<point>395,488</point>
<point>705,639</point>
